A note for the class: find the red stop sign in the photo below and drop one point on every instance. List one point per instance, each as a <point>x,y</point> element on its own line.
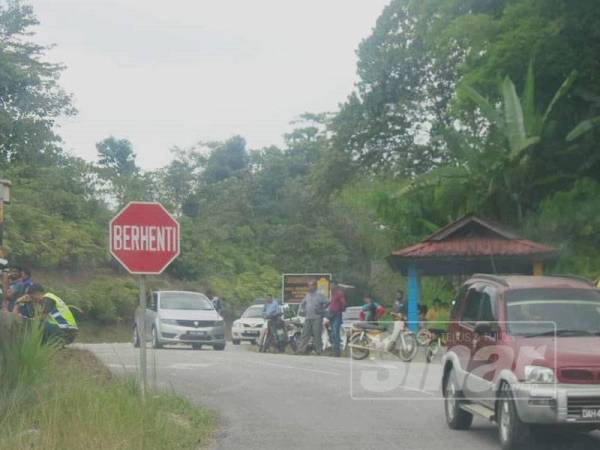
<point>144,238</point>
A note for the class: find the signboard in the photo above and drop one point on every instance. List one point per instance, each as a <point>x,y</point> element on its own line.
<point>144,238</point>
<point>295,285</point>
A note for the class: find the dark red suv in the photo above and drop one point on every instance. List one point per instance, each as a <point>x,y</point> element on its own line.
<point>524,351</point>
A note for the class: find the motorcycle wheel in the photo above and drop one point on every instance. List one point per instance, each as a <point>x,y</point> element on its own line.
<point>432,350</point>
<point>295,341</point>
<point>408,351</point>
<point>362,341</point>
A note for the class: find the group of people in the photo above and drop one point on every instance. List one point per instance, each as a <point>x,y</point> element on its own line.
<point>28,300</point>
<point>315,306</point>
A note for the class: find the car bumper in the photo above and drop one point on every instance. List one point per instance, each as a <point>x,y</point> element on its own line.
<point>246,334</point>
<point>175,334</point>
<point>558,403</point>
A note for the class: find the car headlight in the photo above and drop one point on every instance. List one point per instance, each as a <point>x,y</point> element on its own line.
<point>539,375</point>
<point>168,321</point>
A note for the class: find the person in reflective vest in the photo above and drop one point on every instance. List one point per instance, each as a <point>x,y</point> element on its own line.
<point>59,322</point>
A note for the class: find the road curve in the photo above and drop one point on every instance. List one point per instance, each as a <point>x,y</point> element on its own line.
<point>279,402</point>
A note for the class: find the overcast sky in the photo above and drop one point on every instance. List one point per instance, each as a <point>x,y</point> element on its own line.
<point>165,73</point>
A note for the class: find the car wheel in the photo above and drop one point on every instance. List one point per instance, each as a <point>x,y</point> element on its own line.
<point>456,417</point>
<point>219,347</point>
<point>155,342</point>
<point>197,346</point>
<point>236,341</point>
<point>512,432</point>
<point>136,338</point>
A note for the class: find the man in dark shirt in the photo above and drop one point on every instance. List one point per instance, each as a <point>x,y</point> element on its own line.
<point>336,308</point>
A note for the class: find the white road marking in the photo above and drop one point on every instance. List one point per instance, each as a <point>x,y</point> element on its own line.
<point>122,366</point>
<point>188,366</point>
<point>285,366</point>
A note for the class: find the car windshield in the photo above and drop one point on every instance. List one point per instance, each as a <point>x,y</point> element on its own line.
<point>351,314</point>
<point>546,312</point>
<point>185,300</point>
<point>253,313</point>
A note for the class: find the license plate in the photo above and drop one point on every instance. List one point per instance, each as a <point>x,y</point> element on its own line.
<point>590,413</point>
<point>197,333</point>
<point>250,333</point>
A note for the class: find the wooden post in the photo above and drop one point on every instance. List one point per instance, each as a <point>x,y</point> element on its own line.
<point>538,268</point>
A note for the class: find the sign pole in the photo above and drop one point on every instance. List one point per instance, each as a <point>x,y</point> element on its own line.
<point>145,239</point>
<point>142,337</point>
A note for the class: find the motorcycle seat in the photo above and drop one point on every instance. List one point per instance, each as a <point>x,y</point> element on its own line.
<point>369,326</point>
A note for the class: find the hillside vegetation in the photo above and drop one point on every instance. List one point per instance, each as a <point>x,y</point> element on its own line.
<point>485,107</point>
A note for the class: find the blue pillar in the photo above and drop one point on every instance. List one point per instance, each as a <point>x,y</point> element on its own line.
<point>414,298</point>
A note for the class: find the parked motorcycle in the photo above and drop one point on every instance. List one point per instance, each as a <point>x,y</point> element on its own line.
<point>435,344</point>
<point>294,332</point>
<point>275,336</point>
<point>367,337</point>
<point>327,336</point>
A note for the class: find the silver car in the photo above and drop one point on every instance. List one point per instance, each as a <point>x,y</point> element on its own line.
<point>179,317</point>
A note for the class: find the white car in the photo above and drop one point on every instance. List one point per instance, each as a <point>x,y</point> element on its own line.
<point>249,326</point>
<point>178,317</point>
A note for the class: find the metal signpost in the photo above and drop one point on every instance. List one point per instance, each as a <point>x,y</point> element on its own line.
<point>144,238</point>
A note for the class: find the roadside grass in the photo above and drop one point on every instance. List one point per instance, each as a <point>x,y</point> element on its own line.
<point>66,399</point>
<point>91,332</point>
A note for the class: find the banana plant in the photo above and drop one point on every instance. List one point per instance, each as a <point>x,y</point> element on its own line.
<point>518,120</point>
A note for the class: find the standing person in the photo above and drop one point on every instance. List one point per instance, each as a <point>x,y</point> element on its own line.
<point>313,308</point>
<point>399,304</point>
<point>336,308</point>
<point>216,301</point>
<point>272,314</point>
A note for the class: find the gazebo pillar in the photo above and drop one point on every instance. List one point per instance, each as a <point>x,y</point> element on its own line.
<point>414,297</point>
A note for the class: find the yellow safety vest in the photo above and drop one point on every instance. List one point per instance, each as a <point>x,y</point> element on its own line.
<point>62,317</point>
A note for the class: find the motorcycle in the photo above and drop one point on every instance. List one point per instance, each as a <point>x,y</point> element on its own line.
<point>327,336</point>
<point>367,337</point>
<point>294,332</point>
<point>436,340</point>
<point>275,335</point>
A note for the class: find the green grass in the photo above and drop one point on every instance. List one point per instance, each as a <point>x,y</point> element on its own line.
<point>66,399</point>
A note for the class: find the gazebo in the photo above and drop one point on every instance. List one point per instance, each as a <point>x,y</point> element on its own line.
<point>469,245</point>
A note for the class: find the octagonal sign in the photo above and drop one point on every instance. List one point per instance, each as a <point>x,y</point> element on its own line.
<point>144,238</point>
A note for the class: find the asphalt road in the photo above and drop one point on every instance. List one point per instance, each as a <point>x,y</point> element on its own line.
<point>268,401</point>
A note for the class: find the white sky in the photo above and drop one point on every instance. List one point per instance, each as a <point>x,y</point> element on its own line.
<point>174,72</point>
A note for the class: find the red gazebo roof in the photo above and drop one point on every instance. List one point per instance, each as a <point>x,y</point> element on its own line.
<point>471,245</point>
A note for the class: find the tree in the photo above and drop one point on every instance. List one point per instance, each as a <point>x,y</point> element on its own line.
<point>117,166</point>
<point>30,97</point>
<point>117,156</point>
<point>226,159</point>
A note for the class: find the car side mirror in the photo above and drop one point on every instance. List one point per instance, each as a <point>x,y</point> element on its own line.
<point>484,328</point>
